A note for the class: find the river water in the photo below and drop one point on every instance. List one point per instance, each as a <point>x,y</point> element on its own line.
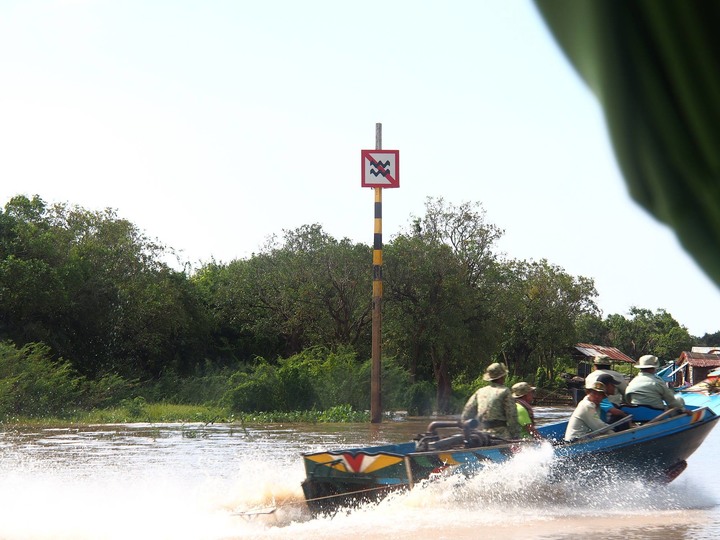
<point>194,481</point>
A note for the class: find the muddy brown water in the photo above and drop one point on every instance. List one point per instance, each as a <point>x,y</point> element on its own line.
<point>194,481</point>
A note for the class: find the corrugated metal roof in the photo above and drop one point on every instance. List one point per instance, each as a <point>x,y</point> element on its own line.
<point>707,350</point>
<point>588,349</point>
<point>697,359</point>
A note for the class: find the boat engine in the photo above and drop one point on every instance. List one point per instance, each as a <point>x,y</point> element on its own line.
<point>469,438</point>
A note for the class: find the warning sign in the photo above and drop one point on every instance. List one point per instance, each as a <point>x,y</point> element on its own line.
<point>380,168</point>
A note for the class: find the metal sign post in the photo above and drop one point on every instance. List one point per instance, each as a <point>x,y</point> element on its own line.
<point>380,168</point>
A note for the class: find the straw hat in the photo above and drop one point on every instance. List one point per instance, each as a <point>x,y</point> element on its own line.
<point>647,362</point>
<point>521,389</point>
<point>601,360</point>
<point>495,371</point>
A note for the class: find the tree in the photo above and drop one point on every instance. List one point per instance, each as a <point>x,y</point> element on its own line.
<point>307,290</point>
<point>590,328</point>
<point>93,288</point>
<point>648,333</point>
<point>710,340</point>
<point>441,294</point>
<point>544,305</point>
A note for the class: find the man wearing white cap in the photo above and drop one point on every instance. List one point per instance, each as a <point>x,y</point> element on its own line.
<point>586,416</point>
<point>650,390</point>
<point>493,405</point>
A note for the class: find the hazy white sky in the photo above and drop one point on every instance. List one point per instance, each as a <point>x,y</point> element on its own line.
<point>214,124</point>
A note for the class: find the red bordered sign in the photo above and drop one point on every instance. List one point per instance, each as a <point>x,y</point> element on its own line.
<point>380,168</point>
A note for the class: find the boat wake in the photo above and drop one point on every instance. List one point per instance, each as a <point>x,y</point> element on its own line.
<point>156,484</point>
<point>523,492</point>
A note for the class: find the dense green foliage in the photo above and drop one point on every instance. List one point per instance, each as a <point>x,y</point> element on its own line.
<point>316,379</point>
<point>92,315</point>
<point>93,289</point>
<point>33,384</point>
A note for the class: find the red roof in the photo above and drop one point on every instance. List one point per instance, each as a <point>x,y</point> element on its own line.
<point>614,354</point>
<point>697,359</point>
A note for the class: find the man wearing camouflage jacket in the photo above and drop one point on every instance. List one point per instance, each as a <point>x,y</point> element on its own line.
<point>493,405</point>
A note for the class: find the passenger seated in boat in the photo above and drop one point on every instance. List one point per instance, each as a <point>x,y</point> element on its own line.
<point>650,390</point>
<point>601,365</point>
<point>609,411</point>
<point>586,416</point>
<point>524,394</point>
<point>493,405</point>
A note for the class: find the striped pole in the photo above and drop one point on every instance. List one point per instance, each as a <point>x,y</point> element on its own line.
<point>376,368</point>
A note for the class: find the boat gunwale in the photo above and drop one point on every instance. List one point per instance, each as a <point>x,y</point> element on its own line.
<point>640,434</point>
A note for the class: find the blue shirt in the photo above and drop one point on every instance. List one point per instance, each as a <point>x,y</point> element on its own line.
<point>605,406</point>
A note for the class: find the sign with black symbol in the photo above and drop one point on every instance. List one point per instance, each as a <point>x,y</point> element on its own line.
<point>380,168</point>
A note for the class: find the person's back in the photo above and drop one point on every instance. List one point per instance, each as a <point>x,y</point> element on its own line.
<point>490,404</point>
<point>648,389</point>
<point>495,410</point>
<point>494,406</point>
<point>602,367</point>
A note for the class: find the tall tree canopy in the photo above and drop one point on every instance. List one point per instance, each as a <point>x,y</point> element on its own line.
<point>97,292</point>
<point>543,304</point>
<point>308,289</point>
<point>644,332</point>
<point>92,287</point>
<point>441,294</point>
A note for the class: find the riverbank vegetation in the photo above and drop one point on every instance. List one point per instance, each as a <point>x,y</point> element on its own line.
<point>95,323</point>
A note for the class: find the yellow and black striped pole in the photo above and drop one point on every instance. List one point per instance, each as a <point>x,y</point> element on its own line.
<point>376,368</point>
<point>375,374</point>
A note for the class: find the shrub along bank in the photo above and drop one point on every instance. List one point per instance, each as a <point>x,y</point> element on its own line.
<point>317,385</point>
<point>314,386</point>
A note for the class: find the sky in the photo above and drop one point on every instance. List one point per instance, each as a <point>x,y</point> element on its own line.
<point>212,125</point>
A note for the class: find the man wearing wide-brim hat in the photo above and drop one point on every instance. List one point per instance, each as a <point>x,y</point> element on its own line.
<point>493,405</point>
<point>650,390</point>
<point>586,416</point>
<point>524,394</point>
<point>601,366</point>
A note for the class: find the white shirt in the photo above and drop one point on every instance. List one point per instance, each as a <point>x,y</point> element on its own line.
<point>650,390</point>
<point>585,419</point>
<point>620,389</point>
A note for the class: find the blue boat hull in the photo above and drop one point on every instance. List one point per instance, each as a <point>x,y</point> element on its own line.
<point>655,450</point>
